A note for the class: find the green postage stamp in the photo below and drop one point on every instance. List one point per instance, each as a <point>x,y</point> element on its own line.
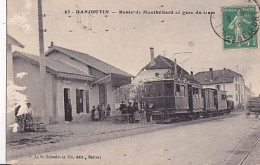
<point>240,27</point>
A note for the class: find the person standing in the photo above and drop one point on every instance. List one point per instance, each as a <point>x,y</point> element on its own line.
<point>21,117</point>
<point>93,113</point>
<point>108,110</point>
<point>131,112</point>
<point>136,113</point>
<point>123,108</point>
<point>149,112</point>
<point>29,118</point>
<point>103,112</point>
<point>16,112</point>
<point>100,112</point>
<point>68,114</point>
<point>96,114</point>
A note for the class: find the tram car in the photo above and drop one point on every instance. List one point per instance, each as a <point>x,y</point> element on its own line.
<point>179,99</point>
<point>215,102</point>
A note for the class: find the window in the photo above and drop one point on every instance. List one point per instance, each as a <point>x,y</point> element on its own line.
<point>168,89</point>
<point>195,92</point>
<point>236,87</point>
<point>150,90</point>
<point>182,90</point>
<point>200,93</point>
<point>236,97</point>
<point>185,91</point>
<point>223,96</point>
<point>142,105</point>
<point>178,90</point>
<point>159,89</point>
<point>154,89</point>
<point>242,98</point>
<point>239,88</point>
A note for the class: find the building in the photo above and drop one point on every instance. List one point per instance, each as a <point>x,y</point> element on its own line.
<point>71,75</point>
<point>10,41</point>
<point>226,80</point>
<point>158,68</point>
<point>9,60</point>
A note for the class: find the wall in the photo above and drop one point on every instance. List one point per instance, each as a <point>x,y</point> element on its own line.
<point>72,85</point>
<point>241,91</point>
<point>10,101</point>
<point>9,63</point>
<point>231,90</point>
<point>32,83</point>
<point>148,75</point>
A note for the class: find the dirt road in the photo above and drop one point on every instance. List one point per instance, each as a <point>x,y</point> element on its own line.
<point>212,142</point>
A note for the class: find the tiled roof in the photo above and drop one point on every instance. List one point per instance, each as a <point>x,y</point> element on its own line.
<point>11,41</point>
<point>89,60</point>
<point>56,65</point>
<point>164,63</point>
<point>219,76</point>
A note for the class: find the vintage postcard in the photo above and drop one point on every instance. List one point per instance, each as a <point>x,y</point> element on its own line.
<point>133,82</point>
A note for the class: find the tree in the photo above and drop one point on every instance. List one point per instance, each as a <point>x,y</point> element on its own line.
<point>130,92</point>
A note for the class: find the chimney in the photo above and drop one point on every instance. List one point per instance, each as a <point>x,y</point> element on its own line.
<point>152,56</point>
<point>191,73</point>
<point>211,73</point>
<point>52,44</point>
<point>175,67</point>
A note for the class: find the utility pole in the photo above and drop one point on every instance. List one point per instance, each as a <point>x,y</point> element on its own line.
<point>164,53</point>
<point>250,92</point>
<point>42,64</point>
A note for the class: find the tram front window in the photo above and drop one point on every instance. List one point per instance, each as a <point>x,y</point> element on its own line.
<point>154,90</point>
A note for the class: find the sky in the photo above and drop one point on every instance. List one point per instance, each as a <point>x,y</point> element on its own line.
<point>123,40</point>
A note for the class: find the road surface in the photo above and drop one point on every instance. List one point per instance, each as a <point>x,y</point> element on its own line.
<point>222,141</point>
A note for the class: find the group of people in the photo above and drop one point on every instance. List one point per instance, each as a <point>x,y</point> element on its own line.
<point>23,117</point>
<point>99,113</point>
<point>131,111</point>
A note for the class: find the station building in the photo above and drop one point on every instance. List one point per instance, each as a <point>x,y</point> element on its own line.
<point>71,75</point>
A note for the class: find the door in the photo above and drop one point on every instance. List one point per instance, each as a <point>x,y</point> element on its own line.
<point>79,100</point>
<point>66,104</point>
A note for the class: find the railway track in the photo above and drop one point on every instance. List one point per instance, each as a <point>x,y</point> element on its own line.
<point>248,153</point>
<point>246,146</point>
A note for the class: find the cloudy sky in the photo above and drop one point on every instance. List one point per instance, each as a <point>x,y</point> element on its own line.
<point>123,40</point>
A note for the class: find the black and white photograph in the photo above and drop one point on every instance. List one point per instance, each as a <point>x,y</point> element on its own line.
<point>128,82</point>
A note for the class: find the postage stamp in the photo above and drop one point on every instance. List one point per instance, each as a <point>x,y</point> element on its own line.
<point>240,27</point>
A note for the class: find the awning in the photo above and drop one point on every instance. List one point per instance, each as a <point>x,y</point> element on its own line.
<point>116,80</point>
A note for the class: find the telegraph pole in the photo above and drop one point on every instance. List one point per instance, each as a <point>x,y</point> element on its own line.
<point>42,64</point>
<point>250,92</point>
